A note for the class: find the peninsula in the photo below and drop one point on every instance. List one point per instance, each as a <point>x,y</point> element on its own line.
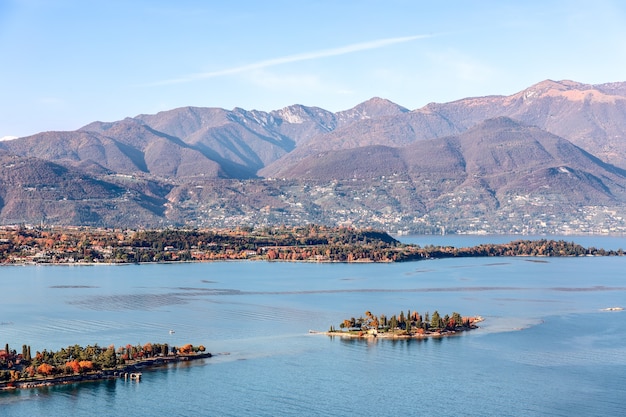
<point>404,326</point>
<point>311,243</point>
<point>90,363</point>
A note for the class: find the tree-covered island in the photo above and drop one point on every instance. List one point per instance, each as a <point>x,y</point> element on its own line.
<point>311,243</point>
<point>411,324</point>
<point>25,369</point>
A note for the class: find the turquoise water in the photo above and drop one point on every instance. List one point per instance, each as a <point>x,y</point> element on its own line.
<point>546,348</point>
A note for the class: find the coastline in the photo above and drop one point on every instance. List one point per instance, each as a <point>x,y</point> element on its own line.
<point>132,371</point>
<point>400,334</point>
<point>310,244</point>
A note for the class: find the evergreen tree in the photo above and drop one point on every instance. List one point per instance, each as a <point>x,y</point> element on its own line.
<point>458,320</point>
<point>393,322</point>
<point>435,320</point>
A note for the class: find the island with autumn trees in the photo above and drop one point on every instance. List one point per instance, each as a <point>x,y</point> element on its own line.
<point>409,325</point>
<point>310,243</point>
<point>87,363</point>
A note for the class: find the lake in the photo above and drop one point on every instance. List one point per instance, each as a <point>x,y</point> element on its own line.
<point>545,347</point>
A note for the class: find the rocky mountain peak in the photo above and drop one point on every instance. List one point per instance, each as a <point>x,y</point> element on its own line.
<point>372,108</point>
<point>566,89</point>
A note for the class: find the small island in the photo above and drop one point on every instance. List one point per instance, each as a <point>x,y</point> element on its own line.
<point>404,326</point>
<point>91,363</point>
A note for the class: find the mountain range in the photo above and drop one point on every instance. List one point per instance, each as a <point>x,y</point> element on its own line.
<point>548,159</point>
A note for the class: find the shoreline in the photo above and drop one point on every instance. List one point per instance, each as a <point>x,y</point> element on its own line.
<point>400,334</point>
<point>132,371</point>
<point>397,335</point>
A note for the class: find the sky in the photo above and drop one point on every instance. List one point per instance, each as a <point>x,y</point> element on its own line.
<point>66,63</point>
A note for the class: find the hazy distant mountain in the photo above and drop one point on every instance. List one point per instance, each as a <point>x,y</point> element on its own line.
<point>552,148</point>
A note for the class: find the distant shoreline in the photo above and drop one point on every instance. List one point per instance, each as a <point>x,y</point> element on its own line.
<point>306,244</point>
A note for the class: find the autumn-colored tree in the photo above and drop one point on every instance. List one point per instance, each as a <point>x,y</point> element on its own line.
<point>45,369</point>
<point>73,366</point>
<point>85,366</point>
<point>186,349</point>
<point>30,371</point>
<point>451,324</point>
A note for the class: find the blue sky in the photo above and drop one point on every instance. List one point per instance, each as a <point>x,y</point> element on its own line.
<point>66,63</point>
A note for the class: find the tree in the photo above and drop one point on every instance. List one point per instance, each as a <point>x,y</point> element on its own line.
<point>374,323</point>
<point>14,375</point>
<point>435,320</point>
<point>393,323</point>
<point>72,366</point>
<point>458,320</point>
<point>186,349</point>
<point>85,366</point>
<point>45,369</point>
<point>108,359</point>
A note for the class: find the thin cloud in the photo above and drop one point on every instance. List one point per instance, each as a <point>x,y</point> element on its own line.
<point>343,50</point>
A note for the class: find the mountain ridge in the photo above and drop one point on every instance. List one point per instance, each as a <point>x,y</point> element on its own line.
<point>551,149</point>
